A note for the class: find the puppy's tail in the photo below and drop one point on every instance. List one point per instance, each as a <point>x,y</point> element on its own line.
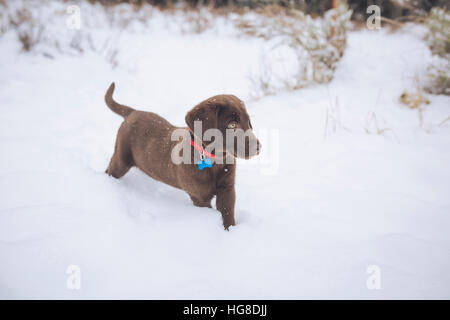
<point>114,106</point>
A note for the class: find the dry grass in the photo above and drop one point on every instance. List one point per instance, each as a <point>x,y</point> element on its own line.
<point>375,124</point>
<point>333,122</point>
<point>197,20</point>
<point>29,31</point>
<point>318,43</point>
<point>415,100</point>
<point>445,121</point>
<point>438,23</point>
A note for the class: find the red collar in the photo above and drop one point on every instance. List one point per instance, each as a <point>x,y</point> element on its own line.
<point>199,148</point>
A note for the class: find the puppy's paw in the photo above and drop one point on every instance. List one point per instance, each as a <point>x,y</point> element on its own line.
<point>227,223</point>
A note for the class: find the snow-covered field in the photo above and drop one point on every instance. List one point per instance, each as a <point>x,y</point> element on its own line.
<point>338,197</point>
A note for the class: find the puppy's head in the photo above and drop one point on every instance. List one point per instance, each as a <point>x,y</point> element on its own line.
<point>226,113</point>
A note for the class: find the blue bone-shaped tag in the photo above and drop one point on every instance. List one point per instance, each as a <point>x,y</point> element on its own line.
<point>205,163</point>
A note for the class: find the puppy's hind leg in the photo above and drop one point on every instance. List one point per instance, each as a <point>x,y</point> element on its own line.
<point>121,161</point>
<point>117,167</point>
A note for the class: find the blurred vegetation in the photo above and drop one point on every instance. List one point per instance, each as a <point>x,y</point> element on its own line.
<point>389,8</point>
<point>438,23</point>
<point>318,43</point>
<point>316,33</point>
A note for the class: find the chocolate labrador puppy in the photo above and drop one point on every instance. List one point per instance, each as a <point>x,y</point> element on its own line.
<point>146,140</point>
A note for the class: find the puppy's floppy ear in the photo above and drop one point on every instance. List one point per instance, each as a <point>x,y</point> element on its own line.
<point>206,112</point>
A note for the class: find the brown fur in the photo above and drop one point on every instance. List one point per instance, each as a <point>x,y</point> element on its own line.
<point>144,141</point>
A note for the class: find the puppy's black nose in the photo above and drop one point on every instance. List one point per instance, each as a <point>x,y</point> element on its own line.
<point>258,147</point>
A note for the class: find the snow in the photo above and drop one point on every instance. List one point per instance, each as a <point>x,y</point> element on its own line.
<point>340,197</point>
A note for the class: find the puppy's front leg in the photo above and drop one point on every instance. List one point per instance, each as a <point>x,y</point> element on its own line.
<point>225,204</point>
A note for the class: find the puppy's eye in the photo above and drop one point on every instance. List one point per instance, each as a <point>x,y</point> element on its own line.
<point>232,125</point>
